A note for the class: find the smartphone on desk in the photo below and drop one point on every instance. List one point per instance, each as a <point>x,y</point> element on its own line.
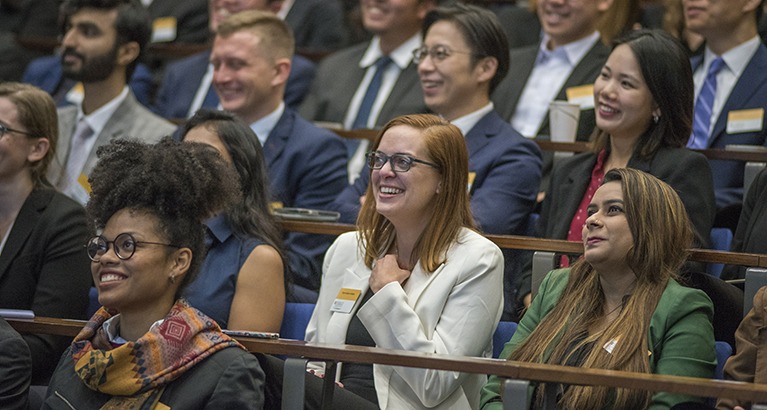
<point>302,214</point>
<point>248,333</point>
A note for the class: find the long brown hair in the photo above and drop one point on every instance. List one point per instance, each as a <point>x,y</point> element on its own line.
<point>447,149</point>
<point>661,231</point>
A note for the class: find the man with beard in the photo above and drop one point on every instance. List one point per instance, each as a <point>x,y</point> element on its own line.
<point>102,40</point>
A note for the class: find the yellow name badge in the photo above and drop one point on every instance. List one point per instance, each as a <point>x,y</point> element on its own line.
<point>345,300</point>
<point>582,95</point>
<point>164,29</point>
<point>745,120</point>
<point>472,176</point>
<point>83,180</point>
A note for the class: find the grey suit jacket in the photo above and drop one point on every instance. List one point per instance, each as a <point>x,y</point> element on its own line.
<point>507,94</point>
<point>131,119</point>
<point>318,25</point>
<point>338,77</point>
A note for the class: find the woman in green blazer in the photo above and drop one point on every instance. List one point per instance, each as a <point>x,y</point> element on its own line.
<point>619,307</point>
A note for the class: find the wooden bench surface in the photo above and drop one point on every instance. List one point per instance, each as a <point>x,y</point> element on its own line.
<point>503,368</point>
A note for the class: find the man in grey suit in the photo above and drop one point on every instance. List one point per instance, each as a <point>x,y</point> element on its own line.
<point>344,79</point>
<point>102,41</point>
<point>562,67</point>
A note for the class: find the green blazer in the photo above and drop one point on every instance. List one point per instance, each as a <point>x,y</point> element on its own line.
<point>681,337</point>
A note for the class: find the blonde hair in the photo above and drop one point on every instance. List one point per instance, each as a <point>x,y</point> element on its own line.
<point>661,231</point>
<point>276,36</point>
<point>446,148</point>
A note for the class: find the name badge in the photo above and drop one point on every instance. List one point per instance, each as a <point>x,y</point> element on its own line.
<point>472,176</point>
<point>745,120</point>
<point>609,346</point>
<point>582,95</point>
<point>163,30</point>
<point>345,300</point>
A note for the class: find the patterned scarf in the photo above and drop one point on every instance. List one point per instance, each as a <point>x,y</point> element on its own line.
<point>136,373</point>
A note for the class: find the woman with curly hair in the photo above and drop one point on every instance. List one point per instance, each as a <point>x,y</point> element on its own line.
<point>147,348</point>
<point>620,307</point>
<point>242,283</point>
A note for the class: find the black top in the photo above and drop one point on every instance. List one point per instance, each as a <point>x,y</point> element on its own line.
<point>358,377</point>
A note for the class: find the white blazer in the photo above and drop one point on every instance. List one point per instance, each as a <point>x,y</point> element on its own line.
<point>452,311</point>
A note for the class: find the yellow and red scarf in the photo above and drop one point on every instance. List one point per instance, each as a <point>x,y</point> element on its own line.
<point>136,373</point>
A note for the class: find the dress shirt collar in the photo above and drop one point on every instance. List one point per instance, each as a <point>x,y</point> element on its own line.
<point>402,55</point>
<point>736,59</point>
<point>111,327</point>
<point>574,51</point>
<point>264,126</point>
<point>98,119</point>
<point>219,228</point>
<point>468,121</point>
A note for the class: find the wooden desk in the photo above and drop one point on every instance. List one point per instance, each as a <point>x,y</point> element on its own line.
<point>503,368</point>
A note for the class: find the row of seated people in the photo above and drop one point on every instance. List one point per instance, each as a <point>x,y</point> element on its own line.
<point>430,58</point>
<point>416,276</point>
<point>563,66</point>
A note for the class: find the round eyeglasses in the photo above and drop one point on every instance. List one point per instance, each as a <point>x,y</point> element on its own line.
<point>124,245</point>
<point>398,162</point>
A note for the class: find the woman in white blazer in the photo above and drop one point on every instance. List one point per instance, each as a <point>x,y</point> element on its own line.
<point>415,276</point>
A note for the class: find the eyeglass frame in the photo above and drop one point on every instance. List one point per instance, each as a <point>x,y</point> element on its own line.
<point>4,129</point>
<point>371,155</point>
<point>420,52</point>
<point>97,257</point>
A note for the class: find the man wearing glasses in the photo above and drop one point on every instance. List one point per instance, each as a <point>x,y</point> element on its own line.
<point>463,57</point>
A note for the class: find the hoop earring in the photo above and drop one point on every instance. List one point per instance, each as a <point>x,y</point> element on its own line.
<point>655,118</point>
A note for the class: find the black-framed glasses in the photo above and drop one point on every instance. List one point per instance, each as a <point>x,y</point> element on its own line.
<point>437,53</point>
<point>124,245</point>
<point>4,129</point>
<point>398,162</point>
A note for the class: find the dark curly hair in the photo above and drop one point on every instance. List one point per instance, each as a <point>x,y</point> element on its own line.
<point>180,184</point>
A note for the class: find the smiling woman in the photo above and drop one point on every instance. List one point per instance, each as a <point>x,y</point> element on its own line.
<point>148,203</point>
<point>620,306</point>
<point>420,277</point>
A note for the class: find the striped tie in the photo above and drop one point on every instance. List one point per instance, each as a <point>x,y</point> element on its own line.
<point>703,107</point>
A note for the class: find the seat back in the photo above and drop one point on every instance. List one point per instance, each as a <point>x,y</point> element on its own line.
<point>721,239</point>
<point>295,320</point>
<point>503,334</point>
<point>723,352</point>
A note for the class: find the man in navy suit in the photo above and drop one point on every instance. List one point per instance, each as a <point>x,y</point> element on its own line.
<point>740,98</point>
<point>307,165</point>
<point>186,85</point>
<point>463,57</point>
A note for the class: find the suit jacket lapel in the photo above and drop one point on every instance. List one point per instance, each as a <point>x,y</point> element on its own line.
<point>278,137</point>
<point>749,82</point>
<point>117,127</point>
<point>25,222</point>
<point>479,135</point>
<point>572,190</point>
<point>407,80</point>
<point>355,277</point>
<point>526,61</point>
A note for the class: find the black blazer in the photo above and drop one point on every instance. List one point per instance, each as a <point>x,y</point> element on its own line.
<point>44,267</point>
<point>750,234</point>
<point>686,171</point>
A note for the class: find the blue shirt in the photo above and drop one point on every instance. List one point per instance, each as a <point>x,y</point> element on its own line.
<point>212,291</point>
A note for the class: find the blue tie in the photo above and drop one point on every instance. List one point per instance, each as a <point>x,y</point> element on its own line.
<point>361,120</point>
<point>703,107</point>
